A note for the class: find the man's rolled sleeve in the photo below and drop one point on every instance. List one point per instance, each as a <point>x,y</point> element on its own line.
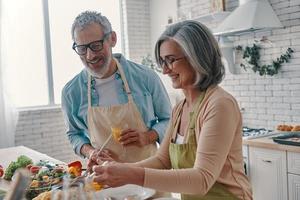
<point>75,132</point>
<point>78,140</point>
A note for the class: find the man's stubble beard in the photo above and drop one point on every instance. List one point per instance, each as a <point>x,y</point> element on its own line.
<point>103,70</point>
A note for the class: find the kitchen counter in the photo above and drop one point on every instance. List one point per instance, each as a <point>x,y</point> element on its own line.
<point>11,154</point>
<point>267,142</point>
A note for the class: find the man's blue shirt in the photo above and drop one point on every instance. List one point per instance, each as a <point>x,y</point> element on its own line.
<point>147,90</point>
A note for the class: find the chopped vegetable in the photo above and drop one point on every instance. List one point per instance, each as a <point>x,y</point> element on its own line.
<point>34,184</point>
<point>21,162</point>
<point>75,168</point>
<point>75,164</point>
<point>96,186</point>
<point>74,171</point>
<point>9,172</point>
<point>1,171</point>
<point>34,169</point>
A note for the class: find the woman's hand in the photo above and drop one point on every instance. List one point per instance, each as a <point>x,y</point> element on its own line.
<point>117,174</point>
<point>97,158</point>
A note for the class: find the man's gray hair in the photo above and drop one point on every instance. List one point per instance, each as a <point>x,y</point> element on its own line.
<point>88,17</point>
<point>200,48</point>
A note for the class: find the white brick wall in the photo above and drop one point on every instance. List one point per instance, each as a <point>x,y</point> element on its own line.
<point>44,130</point>
<point>280,104</point>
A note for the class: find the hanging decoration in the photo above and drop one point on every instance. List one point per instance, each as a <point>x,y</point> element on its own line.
<point>251,54</point>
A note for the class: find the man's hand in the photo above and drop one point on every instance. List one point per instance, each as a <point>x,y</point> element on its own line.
<point>137,138</point>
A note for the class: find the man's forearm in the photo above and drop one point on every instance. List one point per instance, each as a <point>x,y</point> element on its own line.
<point>86,150</point>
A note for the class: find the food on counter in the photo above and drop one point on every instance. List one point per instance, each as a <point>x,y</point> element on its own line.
<point>296,128</point>
<point>1,171</point>
<point>43,196</point>
<point>34,169</point>
<point>93,186</point>
<point>22,162</point>
<point>72,193</point>
<point>75,168</point>
<point>45,174</point>
<point>283,127</point>
<point>286,127</point>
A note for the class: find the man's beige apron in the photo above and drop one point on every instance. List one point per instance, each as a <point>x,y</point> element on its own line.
<point>102,118</point>
<point>184,155</point>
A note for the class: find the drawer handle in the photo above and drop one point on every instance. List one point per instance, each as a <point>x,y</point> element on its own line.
<point>267,161</point>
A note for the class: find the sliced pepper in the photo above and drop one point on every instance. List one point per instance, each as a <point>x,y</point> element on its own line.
<point>74,171</point>
<point>34,169</point>
<point>97,186</point>
<point>75,164</point>
<point>1,171</point>
<point>75,168</point>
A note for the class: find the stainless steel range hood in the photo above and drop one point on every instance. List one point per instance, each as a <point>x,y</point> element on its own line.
<point>251,15</point>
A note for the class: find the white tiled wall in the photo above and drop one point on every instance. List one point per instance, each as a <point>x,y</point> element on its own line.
<point>44,130</point>
<point>266,101</point>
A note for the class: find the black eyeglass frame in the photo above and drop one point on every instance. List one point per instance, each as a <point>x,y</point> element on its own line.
<point>167,63</point>
<point>89,45</point>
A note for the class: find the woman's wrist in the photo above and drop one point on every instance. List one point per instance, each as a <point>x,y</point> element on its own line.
<point>139,177</point>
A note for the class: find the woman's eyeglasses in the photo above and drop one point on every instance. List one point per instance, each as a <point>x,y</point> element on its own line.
<point>94,46</point>
<point>168,62</point>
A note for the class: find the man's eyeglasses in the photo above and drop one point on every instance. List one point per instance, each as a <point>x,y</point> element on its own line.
<point>168,62</point>
<point>94,46</point>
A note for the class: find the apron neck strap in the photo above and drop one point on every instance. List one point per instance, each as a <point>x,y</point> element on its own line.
<point>196,110</point>
<point>120,68</point>
<point>89,90</point>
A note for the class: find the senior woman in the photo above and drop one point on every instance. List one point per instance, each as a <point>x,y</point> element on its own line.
<point>203,144</point>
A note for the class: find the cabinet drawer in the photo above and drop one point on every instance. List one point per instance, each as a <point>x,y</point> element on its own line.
<point>293,162</point>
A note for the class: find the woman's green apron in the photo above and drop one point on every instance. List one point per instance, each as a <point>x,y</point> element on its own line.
<point>184,155</point>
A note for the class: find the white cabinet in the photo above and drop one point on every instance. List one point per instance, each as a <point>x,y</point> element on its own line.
<point>294,186</point>
<point>294,175</point>
<point>268,175</point>
<point>293,162</point>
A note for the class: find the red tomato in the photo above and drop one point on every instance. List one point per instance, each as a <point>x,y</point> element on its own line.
<point>1,171</point>
<point>35,169</point>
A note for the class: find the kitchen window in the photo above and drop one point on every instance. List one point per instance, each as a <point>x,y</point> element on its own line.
<point>37,58</point>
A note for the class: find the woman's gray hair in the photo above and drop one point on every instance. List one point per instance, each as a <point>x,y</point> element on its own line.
<point>200,48</point>
<point>88,17</point>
